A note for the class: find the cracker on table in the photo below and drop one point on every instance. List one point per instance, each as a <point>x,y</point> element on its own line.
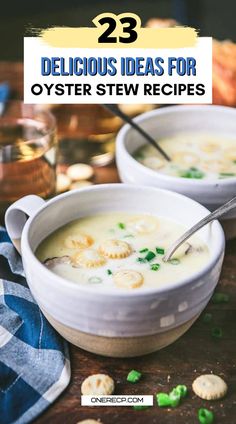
<point>98,384</point>
<point>209,387</point>
<point>79,171</point>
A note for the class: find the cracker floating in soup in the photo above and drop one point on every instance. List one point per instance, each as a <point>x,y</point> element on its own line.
<point>121,251</point>
<point>196,156</point>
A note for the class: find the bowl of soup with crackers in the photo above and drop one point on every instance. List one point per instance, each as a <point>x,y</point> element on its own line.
<point>93,261</point>
<point>201,143</point>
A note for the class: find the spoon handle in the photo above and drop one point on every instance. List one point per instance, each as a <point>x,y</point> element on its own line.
<point>226,207</point>
<point>116,111</point>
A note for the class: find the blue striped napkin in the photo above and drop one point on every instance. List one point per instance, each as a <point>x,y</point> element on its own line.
<point>4,95</point>
<point>34,359</point>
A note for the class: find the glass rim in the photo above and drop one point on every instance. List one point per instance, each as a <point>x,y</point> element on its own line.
<point>52,126</point>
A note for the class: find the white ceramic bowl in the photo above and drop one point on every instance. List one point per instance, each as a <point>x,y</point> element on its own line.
<point>114,323</point>
<point>169,121</point>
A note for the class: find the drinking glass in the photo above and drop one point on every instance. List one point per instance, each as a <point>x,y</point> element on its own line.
<point>27,153</point>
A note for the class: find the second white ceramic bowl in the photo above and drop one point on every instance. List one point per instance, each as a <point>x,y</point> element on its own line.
<point>167,122</point>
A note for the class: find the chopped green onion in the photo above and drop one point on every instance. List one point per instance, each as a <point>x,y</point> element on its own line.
<point>182,390</point>
<point>121,225</point>
<point>174,396</point>
<point>207,318</point>
<point>155,267</point>
<point>94,280</point>
<point>163,399</point>
<point>144,250</point>
<point>217,332</point>
<point>160,250</point>
<point>128,235</point>
<point>226,174</point>
<point>192,173</point>
<point>220,298</point>
<point>205,416</point>
<point>134,376</point>
<point>109,272</point>
<point>140,407</point>
<point>141,260</point>
<point>150,256</point>
<point>138,156</point>
<point>175,261</point>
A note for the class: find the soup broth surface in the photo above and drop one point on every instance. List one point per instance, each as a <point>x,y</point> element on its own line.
<point>121,251</point>
<point>196,156</point>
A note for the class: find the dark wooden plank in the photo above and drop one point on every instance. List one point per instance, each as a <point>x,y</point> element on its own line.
<point>195,353</point>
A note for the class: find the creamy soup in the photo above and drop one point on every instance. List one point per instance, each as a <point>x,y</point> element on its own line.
<point>196,156</point>
<point>121,251</point>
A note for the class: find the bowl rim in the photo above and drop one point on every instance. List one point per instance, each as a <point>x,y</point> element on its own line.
<point>29,255</point>
<point>151,173</point>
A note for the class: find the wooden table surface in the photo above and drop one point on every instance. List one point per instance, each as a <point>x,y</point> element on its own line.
<point>193,354</point>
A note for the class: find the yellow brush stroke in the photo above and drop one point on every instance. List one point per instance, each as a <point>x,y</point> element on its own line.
<point>156,38</point>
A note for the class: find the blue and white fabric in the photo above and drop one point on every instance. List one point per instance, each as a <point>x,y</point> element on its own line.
<point>34,359</point>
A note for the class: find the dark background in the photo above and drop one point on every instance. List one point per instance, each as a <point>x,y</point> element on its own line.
<point>215,18</point>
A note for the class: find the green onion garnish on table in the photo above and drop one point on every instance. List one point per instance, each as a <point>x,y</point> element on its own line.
<point>182,390</point>
<point>220,298</point>
<point>217,332</point>
<point>134,376</point>
<point>163,400</point>
<point>150,256</point>
<point>207,318</point>
<point>172,399</point>
<point>160,250</point>
<point>205,416</point>
<point>192,173</point>
<point>175,397</point>
<point>109,272</point>
<point>121,225</point>
<point>144,250</point>
<point>140,407</point>
<point>155,267</point>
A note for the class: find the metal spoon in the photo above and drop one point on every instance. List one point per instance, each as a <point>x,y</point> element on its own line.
<point>116,111</point>
<point>211,217</point>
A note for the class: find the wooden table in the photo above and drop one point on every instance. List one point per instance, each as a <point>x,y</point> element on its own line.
<point>194,354</point>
